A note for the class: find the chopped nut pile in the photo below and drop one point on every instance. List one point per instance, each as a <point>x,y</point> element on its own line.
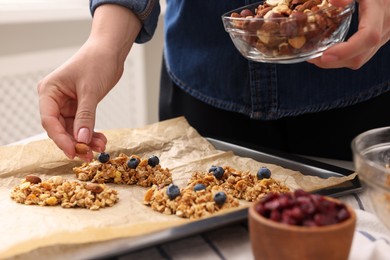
<point>241,185</point>
<point>68,194</point>
<point>307,25</point>
<point>206,193</point>
<point>124,169</point>
<point>190,203</point>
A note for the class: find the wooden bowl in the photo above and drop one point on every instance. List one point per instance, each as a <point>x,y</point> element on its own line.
<point>273,240</point>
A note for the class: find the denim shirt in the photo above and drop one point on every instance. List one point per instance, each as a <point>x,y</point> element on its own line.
<point>202,60</point>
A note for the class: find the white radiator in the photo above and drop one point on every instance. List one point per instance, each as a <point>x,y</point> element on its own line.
<point>29,50</point>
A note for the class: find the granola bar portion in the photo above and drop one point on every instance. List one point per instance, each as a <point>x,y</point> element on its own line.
<point>241,185</point>
<point>120,170</point>
<point>190,203</point>
<point>207,193</point>
<point>69,194</point>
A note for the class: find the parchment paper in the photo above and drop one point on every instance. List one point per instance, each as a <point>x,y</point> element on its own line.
<point>27,228</point>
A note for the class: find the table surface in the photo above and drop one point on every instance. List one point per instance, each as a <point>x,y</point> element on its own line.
<point>371,239</point>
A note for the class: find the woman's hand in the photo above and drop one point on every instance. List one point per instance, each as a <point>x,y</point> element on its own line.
<point>68,97</point>
<point>373,32</point>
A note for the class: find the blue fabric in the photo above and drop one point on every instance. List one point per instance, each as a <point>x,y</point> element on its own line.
<point>146,11</point>
<point>202,60</point>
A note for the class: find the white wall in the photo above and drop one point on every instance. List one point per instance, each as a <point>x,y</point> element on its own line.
<point>37,37</point>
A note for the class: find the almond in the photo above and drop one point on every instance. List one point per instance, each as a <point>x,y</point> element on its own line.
<point>82,148</point>
<point>94,188</point>
<point>33,179</point>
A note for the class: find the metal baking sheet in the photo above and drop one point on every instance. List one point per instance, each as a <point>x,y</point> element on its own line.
<point>118,247</point>
<point>297,163</point>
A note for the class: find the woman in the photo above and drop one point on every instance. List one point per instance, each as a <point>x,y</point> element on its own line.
<point>313,108</point>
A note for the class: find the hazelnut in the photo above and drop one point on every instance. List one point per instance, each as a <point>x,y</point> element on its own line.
<point>297,42</point>
<point>313,34</point>
<point>254,25</point>
<point>265,50</point>
<point>290,28</point>
<point>251,40</point>
<point>246,13</point>
<point>82,148</point>
<point>33,179</point>
<point>300,17</point>
<point>269,34</point>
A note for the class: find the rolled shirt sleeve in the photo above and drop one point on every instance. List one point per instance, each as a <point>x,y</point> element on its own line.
<point>147,11</point>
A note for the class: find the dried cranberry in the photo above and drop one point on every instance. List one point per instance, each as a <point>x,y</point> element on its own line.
<point>301,208</point>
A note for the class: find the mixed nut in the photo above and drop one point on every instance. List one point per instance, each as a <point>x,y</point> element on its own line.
<point>82,148</point>
<point>69,194</point>
<point>288,27</point>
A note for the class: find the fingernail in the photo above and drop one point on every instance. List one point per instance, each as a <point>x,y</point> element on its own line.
<point>83,135</point>
<point>329,58</point>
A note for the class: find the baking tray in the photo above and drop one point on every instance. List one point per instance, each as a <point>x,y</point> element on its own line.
<point>119,247</point>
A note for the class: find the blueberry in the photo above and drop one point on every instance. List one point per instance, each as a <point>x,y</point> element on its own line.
<point>199,186</point>
<point>217,172</point>
<point>263,173</point>
<point>212,168</point>
<point>104,157</point>
<point>173,191</point>
<point>153,161</point>
<point>220,198</point>
<point>133,163</point>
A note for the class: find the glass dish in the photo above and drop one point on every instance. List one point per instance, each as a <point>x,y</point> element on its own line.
<point>371,155</point>
<point>286,36</point>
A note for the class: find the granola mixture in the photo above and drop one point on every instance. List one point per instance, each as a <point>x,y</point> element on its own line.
<point>117,170</point>
<point>189,204</point>
<point>68,194</point>
<point>241,185</point>
<point>193,203</point>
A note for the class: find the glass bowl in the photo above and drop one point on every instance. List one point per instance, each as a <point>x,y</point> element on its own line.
<point>277,34</point>
<point>371,155</point>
